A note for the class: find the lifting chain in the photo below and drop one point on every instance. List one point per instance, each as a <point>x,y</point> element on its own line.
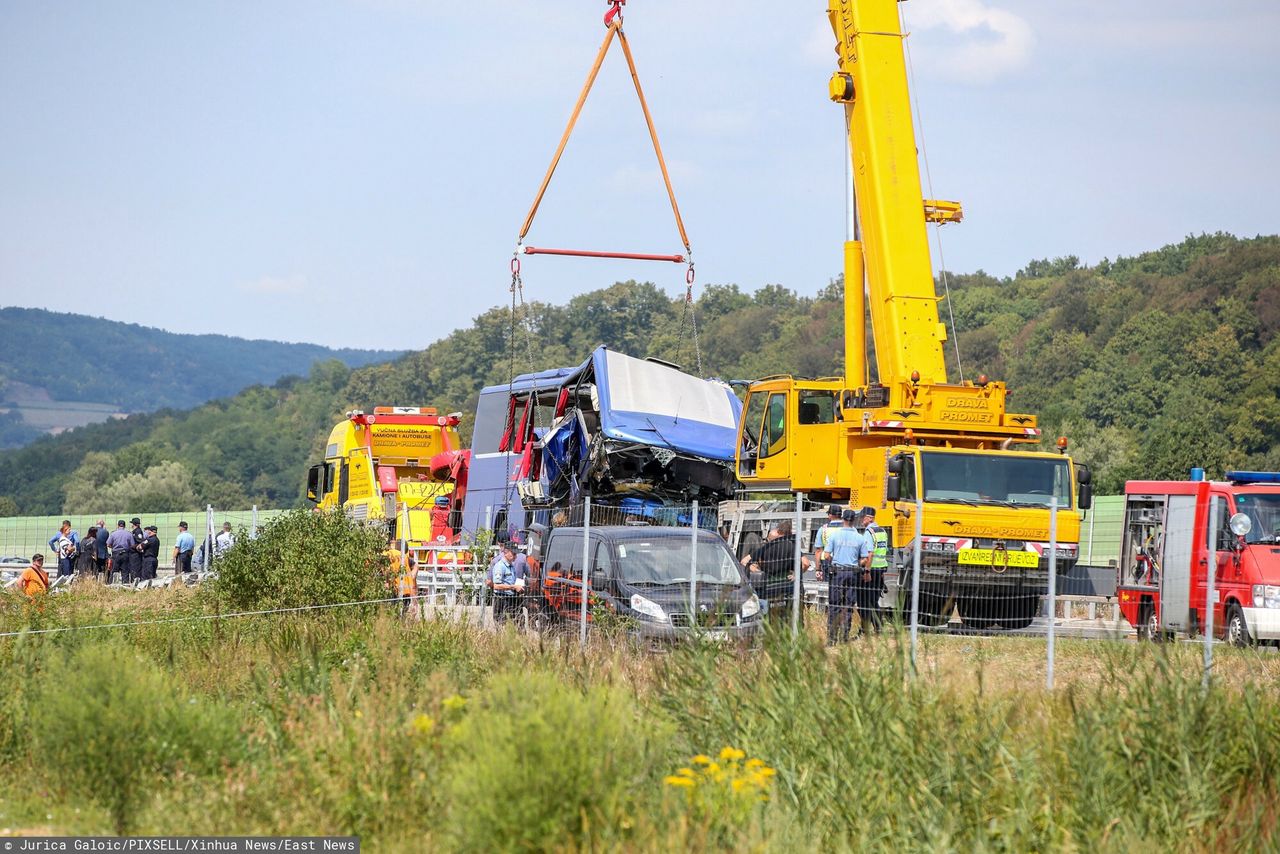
<point>517,294</point>
<point>690,318</point>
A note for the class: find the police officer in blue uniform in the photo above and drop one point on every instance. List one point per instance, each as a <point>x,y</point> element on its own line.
<point>133,570</point>
<point>822,561</point>
<point>150,552</point>
<point>850,554</point>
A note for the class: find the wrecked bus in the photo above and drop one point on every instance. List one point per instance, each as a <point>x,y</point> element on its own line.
<point>635,434</point>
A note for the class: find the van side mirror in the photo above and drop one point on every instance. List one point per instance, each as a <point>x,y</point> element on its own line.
<point>598,579</point>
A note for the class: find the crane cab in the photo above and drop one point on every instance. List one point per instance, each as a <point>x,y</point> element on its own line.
<point>790,432</point>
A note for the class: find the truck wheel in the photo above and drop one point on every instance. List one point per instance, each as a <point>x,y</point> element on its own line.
<point>1237,628</point>
<point>1149,625</point>
<point>1020,610</point>
<point>935,608</point>
<point>977,613</point>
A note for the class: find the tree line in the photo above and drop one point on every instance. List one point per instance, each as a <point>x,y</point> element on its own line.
<point>1150,365</point>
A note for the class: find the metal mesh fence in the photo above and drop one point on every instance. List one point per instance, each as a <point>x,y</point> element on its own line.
<point>69,552</point>
<point>651,573</point>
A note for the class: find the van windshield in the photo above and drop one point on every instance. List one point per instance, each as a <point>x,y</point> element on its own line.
<point>665,560</point>
<point>1263,511</point>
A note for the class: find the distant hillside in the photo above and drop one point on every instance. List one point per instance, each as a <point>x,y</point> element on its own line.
<point>1149,364</point>
<point>71,370</point>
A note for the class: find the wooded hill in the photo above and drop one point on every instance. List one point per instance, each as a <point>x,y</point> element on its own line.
<point>1149,364</point>
<point>135,368</point>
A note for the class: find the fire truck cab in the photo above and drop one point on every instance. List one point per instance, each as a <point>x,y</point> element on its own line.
<point>1166,550</point>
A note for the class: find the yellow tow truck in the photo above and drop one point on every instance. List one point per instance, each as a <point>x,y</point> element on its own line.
<point>399,465</point>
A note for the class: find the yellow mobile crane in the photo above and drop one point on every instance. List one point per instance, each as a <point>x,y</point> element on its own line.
<point>911,433</point>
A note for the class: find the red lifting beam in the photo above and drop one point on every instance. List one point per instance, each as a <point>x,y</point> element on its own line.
<point>585,253</point>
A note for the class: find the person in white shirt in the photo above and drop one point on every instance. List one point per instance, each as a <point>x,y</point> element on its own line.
<point>224,540</point>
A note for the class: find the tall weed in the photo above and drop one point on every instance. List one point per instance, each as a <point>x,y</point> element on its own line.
<point>868,759</point>
<point>304,558</point>
<point>115,727</point>
<point>535,765</point>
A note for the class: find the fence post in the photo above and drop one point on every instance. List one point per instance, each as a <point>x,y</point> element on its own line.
<point>482,564</point>
<point>1211,572</point>
<point>799,569</point>
<point>253,533</point>
<point>1092,515</point>
<point>402,528</point>
<point>208,543</point>
<point>915,581</point>
<point>1053,586</point>
<point>586,584</point>
<point>693,571</point>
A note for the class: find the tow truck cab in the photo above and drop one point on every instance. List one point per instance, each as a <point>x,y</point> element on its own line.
<point>1167,547</point>
<point>399,464</point>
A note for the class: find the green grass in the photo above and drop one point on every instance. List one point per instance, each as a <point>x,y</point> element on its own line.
<point>438,736</point>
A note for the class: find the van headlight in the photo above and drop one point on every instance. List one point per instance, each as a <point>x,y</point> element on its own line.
<point>648,608</point>
<point>1266,596</point>
<point>751,607</point>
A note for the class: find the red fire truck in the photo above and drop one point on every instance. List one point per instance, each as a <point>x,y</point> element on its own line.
<point>1165,550</point>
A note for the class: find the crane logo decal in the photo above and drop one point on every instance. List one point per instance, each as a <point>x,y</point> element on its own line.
<point>905,413</point>
<point>1021,419</point>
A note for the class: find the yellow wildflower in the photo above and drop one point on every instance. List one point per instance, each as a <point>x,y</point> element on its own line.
<point>754,763</point>
<point>423,724</point>
<point>686,772</point>
<point>702,759</point>
<point>359,714</point>
<point>739,783</point>
<point>454,703</point>
<point>731,754</point>
<point>678,781</point>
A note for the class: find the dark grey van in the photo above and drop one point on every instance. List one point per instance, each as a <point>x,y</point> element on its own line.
<point>646,573</point>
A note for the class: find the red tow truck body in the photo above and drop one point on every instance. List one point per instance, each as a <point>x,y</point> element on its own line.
<point>1166,550</point>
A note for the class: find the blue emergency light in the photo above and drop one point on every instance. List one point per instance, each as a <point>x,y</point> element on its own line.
<point>1253,476</point>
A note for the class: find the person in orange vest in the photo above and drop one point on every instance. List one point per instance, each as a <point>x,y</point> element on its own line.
<point>408,582</point>
<point>404,570</point>
<point>34,581</point>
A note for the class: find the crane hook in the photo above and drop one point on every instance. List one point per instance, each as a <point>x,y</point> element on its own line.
<point>615,11</point>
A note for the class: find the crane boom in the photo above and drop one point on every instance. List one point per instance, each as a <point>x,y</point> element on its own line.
<point>872,84</point>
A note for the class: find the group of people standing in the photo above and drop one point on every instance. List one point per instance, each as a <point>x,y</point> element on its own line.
<point>132,553</point>
<point>851,553</point>
<point>128,554</point>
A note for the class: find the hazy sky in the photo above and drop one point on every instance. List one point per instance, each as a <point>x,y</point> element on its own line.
<point>355,173</point>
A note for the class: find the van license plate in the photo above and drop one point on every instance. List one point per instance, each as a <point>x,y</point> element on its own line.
<point>990,557</point>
